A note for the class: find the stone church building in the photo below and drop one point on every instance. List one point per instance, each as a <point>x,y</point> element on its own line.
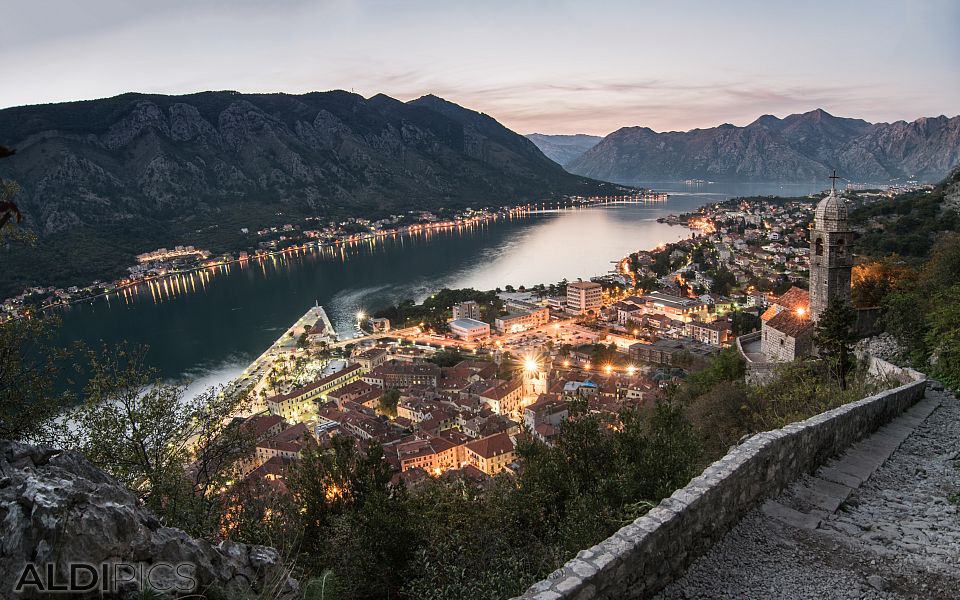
<point>786,331</point>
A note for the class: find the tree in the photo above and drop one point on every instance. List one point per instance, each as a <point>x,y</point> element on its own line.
<point>834,338</point>
<point>724,281</point>
<point>388,402</point>
<point>634,327</point>
<point>872,282</point>
<point>743,322</point>
<point>328,482</point>
<point>174,452</point>
<point>30,365</point>
<point>942,336</point>
<point>9,211</point>
<point>446,358</point>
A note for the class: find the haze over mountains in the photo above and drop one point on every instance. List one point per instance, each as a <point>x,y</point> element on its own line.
<point>563,149</point>
<point>798,148</point>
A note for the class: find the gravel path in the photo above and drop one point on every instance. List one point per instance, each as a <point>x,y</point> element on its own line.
<point>895,536</point>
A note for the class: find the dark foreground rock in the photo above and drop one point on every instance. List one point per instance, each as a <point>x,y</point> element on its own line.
<point>57,510</point>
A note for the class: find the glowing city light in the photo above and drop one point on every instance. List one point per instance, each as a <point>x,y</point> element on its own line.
<point>801,311</point>
<point>531,365</point>
<point>631,370</point>
<point>608,369</point>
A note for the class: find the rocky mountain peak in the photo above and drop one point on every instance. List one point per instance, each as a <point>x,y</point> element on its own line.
<point>800,147</point>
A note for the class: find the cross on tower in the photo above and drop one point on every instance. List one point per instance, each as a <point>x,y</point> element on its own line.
<point>833,180</point>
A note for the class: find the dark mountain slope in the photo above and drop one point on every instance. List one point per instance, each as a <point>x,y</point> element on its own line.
<point>139,171</point>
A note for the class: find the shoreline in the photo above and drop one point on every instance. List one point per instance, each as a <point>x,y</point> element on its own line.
<point>517,211</point>
<point>251,368</point>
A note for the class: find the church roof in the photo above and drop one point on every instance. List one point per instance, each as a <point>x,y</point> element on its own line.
<point>794,298</point>
<point>830,210</point>
<point>790,323</point>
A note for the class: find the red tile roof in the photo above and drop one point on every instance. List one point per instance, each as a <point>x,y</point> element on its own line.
<point>794,298</point>
<point>789,323</point>
<point>491,446</point>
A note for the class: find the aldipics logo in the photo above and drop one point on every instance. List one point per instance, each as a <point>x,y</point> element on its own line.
<point>114,577</point>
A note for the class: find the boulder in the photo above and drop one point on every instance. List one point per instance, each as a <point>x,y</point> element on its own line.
<point>58,510</point>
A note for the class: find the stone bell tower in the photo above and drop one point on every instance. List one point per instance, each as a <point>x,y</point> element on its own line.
<point>830,257</point>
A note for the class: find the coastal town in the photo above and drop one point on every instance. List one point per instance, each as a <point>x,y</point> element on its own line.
<point>449,386</point>
<point>480,301</point>
<point>453,399</point>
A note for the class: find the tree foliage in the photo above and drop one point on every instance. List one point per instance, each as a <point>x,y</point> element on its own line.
<point>31,366</point>
<point>435,310</point>
<point>834,338</point>
<point>388,402</point>
<point>452,539</point>
<point>174,452</point>
<point>873,281</point>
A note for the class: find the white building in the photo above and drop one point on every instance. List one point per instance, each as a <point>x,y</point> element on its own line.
<point>584,297</point>
<point>469,329</point>
<point>521,317</point>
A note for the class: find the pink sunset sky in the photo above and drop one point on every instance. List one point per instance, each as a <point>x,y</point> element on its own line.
<point>547,66</point>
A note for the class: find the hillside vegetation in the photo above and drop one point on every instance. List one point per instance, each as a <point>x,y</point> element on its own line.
<point>913,272</point>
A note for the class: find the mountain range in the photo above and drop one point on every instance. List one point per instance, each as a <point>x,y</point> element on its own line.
<point>799,148</point>
<point>103,180</point>
<point>563,149</point>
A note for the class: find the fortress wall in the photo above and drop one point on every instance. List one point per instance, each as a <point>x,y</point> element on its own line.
<point>643,557</point>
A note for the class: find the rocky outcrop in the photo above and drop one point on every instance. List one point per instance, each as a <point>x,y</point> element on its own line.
<point>798,148</point>
<point>57,509</point>
<point>883,346</point>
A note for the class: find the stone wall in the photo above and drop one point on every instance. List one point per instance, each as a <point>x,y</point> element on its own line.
<point>881,368</point>
<point>757,372</point>
<point>657,548</point>
<point>783,347</point>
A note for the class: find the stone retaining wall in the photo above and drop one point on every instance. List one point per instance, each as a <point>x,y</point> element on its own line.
<point>881,368</point>
<point>757,372</point>
<point>642,558</point>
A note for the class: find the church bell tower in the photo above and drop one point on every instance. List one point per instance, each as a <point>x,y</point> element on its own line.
<point>830,257</point>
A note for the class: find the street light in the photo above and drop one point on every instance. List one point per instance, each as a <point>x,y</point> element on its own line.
<point>531,365</point>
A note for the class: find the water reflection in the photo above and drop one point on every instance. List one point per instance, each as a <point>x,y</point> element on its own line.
<point>208,320</point>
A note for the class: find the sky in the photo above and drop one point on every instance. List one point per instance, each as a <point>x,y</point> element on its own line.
<point>549,66</point>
